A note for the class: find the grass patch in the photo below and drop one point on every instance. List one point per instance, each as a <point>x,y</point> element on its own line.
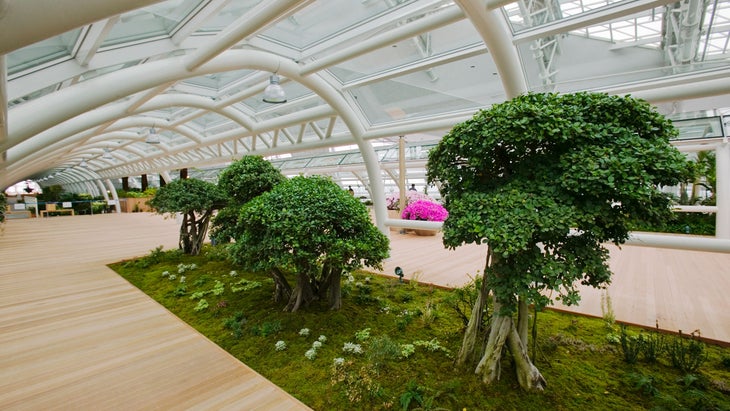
<point>391,346</point>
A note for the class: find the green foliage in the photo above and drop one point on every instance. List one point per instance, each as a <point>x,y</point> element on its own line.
<point>585,371</point>
<point>3,204</point>
<point>530,170</point>
<point>248,178</point>
<point>630,346</point>
<point>196,200</point>
<point>309,226</point>
<point>187,196</point>
<point>687,354</point>
<point>242,181</point>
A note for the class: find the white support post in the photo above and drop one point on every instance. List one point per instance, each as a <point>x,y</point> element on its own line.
<point>722,197</point>
<point>110,186</point>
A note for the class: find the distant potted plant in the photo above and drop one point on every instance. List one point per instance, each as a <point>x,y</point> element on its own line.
<point>424,210</point>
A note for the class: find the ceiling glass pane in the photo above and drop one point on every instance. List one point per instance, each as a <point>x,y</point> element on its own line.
<point>230,13</point>
<point>438,43</point>
<point>45,51</point>
<point>323,19</point>
<point>154,21</point>
<point>218,81</point>
<point>525,14</point>
<point>454,87</point>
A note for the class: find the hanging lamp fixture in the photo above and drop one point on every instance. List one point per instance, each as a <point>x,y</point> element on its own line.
<point>83,163</point>
<point>107,154</point>
<point>152,136</point>
<point>274,93</point>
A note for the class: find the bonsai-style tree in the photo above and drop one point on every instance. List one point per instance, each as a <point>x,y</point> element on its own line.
<point>195,200</point>
<point>243,180</point>
<point>3,204</point>
<point>309,228</point>
<point>545,180</point>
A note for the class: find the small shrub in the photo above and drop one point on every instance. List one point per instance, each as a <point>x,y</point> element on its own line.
<point>383,349</point>
<point>687,353</point>
<point>652,346</point>
<point>352,348</point>
<point>235,324</point>
<point>725,361</point>
<point>363,334</point>
<point>644,383</point>
<point>413,392</point>
<point>202,305</point>
<point>267,328</point>
<point>631,346</point>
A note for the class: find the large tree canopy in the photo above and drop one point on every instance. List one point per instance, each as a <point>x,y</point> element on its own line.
<point>242,181</point>
<point>195,200</point>
<point>310,228</point>
<point>545,180</point>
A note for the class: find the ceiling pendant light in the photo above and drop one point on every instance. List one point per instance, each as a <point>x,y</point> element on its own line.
<point>153,137</point>
<point>83,163</point>
<point>274,93</point>
<point>107,154</point>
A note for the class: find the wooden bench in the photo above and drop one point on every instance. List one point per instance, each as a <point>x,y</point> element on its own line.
<point>51,208</point>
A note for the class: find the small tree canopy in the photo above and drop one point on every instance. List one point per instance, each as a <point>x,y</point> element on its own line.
<point>249,177</point>
<point>187,195</point>
<point>242,181</point>
<point>195,200</point>
<point>521,175</point>
<point>310,227</point>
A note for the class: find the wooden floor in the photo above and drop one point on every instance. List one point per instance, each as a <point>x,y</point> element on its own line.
<point>75,336</point>
<point>676,289</point>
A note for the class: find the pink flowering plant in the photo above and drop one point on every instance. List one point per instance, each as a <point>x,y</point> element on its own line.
<point>425,211</point>
<point>393,200</point>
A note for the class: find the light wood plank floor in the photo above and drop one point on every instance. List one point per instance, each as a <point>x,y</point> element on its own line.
<point>75,336</point>
<point>676,289</point>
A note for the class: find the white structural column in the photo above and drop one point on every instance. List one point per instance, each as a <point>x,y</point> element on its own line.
<point>722,219</point>
<point>102,189</point>
<point>3,102</point>
<point>113,190</point>
<point>166,176</point>
<point>495,33</point>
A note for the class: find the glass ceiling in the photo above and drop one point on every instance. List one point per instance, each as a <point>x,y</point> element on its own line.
<point>396,67</point>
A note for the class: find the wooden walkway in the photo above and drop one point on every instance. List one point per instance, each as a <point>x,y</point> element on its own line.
<point>676,289</point>
<point>75,336</point>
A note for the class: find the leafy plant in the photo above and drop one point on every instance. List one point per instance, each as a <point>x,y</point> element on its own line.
<point>631,346</point>
<point>195,200</point>
<point>307,225</point>
<point>686,354</point>
<point>644,383</point>
<point>546,180</point>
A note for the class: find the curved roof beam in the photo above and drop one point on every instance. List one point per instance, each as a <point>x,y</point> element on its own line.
<point>28,22</point>
<point>102,115</point>
<point>491,26</point>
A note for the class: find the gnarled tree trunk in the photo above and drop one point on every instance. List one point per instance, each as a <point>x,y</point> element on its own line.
<point>302,294</point>
<point>504,330</point>
<point>282,289</point>
<point>192,232</point>
<point>468,352</point>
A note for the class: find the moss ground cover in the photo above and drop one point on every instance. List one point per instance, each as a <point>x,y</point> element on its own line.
<point>391,346</point>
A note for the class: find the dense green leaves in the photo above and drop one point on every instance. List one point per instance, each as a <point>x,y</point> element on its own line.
<point>187,195</point>
<point>249,177</point>
<point>304,223</point>
<point>195,200</point>
<point>545,179</point>
<point>242,181</point>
